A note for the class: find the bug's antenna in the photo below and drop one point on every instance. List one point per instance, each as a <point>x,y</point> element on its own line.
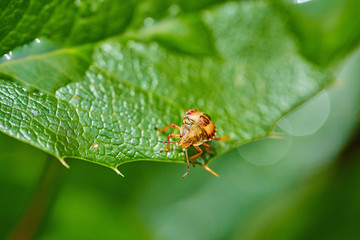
<point>168,141</point>
<point>187,161</point>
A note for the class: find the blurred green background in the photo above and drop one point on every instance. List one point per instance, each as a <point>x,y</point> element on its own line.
<point>301,186</point>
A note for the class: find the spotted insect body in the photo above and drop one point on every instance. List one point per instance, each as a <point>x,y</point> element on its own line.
<point>196,129</point>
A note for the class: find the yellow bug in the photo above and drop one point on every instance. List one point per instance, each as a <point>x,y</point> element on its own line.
<point>196,129</point>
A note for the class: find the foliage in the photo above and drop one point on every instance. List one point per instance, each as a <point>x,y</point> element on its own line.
<point>113,92</point>
<point>91,79</point>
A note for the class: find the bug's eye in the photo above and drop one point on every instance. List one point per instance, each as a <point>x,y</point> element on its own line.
<point>205,120</point>
<point>181,136</point>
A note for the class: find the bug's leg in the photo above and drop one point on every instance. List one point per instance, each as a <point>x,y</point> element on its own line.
<point>196,155</point>
<point>207,148</point>
<point>206,167</point>
<point>168,141</point>
<point>187,161</point>
<point>221,138</point>
<point>167,127</point>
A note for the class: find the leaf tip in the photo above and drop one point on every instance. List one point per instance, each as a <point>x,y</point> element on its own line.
<point>62,161</point>
<point>118,172</point>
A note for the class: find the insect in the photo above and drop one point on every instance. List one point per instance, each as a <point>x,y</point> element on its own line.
<point>197,128</point>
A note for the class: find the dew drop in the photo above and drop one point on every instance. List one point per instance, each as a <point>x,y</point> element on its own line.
<point>174,10</point>
<point>148,21</point>
<point>95,145</point>
<point>78,3</point>
<point>7,56</point>
<point>106,47</point>
<point>301,1</point>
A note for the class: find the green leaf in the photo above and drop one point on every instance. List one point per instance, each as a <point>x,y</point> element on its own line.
<point>51,70</point>
<point>97,20</point>
<point>160,9</point>
<point>326,29</point>
<point>78,22</point>
<point>108,116</point>
<point>187,34</point>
